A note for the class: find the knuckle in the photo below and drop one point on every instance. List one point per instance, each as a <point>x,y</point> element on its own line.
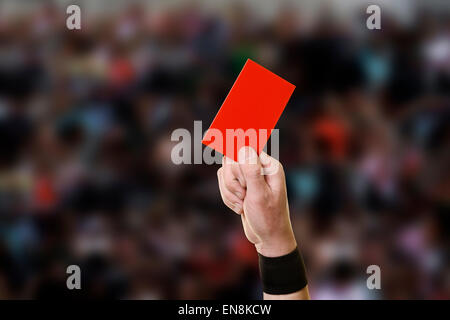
<point>279,170</point>
<point>228,183</point>
<point>277,166</point>
<point>231,184</point>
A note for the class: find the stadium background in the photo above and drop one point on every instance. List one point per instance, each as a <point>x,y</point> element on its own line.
<point>85,124</point>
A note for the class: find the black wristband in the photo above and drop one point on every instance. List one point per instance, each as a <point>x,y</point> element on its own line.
<point>283,275</point>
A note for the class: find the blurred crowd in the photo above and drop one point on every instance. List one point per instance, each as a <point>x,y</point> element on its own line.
<point>86,176</point>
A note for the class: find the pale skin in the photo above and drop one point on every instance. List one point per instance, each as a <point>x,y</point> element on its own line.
<point>255,188</point>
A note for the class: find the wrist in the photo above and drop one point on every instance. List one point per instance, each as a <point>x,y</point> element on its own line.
<point>283,275</point>
<point>277,246</point>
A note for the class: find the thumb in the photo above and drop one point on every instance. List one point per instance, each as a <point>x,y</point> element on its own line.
<point>251,168</point>
<point>273,171</point>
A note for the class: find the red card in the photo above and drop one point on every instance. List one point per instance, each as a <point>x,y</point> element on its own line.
<point>252,107</point>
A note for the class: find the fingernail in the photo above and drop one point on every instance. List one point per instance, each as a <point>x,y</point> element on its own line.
<point>239,195</point>
<point>246,153</point>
